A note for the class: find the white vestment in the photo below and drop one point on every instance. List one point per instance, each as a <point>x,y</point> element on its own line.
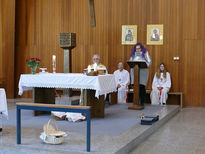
<point>157,96</point>
<point>122,78</point>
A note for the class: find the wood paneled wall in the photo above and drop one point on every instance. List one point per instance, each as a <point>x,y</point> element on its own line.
<point>38,23</point>
<point>1,54</point>
<point>194,72</point>
<point>7,34</point>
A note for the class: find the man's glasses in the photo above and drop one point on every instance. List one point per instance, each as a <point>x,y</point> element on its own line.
<point>138,48</point>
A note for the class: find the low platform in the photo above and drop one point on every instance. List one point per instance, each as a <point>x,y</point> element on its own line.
<point>119,132</point>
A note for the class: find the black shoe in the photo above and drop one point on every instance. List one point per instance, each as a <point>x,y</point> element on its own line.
<point>141,104</point>
<point>1,129</point>
<point>163,103</point>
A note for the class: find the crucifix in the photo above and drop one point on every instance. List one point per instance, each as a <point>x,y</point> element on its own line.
<point>92,13</point>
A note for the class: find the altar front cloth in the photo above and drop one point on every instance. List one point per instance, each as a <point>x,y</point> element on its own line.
<point>102,84</point>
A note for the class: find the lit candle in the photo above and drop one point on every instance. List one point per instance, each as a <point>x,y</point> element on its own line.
<point>54,63</point>
<point>89,68</point>
<point>95,67</point>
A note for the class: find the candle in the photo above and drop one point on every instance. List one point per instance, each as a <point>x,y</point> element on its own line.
<point>95,67</point>
<point>54,63</point>
<point>54,59</point>
<point>89,68</point>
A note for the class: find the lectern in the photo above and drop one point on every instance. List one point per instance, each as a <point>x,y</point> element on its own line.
<point>136,65</point>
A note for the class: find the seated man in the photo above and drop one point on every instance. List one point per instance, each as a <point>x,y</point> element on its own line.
<point>122,79</point>
<point>160,86</point>
<point>96,60</point>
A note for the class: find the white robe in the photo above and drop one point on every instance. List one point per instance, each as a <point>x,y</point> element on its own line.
<point>3,103</point>
<point>122,78</point>
<point>155,96</point>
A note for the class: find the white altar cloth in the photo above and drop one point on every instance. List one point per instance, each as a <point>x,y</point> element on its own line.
<point>102,84</point>
<point>3,102</point>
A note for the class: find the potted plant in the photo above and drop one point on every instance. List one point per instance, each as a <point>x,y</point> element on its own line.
<point>33,63</point>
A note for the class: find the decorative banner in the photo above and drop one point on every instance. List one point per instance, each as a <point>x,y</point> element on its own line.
<point>129,34</point>
<point>154,34</point>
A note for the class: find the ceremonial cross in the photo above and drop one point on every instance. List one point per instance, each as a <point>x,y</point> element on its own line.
<point>92,13</point>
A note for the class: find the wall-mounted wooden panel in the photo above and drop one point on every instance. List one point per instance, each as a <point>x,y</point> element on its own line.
<point>7,11</point>
<point>38,23</point>
<point>1,54</point>
<point>194,64</point>
<point>190,18</point>
<point>201,20</point>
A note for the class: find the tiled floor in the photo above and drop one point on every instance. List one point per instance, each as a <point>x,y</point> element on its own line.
<point>183,134</point>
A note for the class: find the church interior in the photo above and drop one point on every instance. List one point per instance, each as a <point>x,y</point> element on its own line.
<point>102,76</point>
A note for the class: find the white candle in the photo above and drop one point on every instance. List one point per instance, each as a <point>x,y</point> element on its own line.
<point>89,68</point>
<point>54,59</point>
<point>54,63</point>
<point>95,67</point>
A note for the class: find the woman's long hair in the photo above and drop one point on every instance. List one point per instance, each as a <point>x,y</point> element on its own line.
<point>144,50</point>
<point>159,71</point>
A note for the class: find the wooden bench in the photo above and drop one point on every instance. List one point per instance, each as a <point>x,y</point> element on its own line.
<point>180,94</point>
<point>52,107</point>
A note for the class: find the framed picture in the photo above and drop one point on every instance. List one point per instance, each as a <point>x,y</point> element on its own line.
<point>154,34</point>
<point>129,34</point>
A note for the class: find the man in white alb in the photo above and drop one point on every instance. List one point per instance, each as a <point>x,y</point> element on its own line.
<point>122,79</point>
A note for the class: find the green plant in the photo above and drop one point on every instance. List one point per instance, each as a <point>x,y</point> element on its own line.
<point>33,62</point>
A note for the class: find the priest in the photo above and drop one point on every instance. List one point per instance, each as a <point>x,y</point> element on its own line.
<point>122,79</point>
<point>96,60</point>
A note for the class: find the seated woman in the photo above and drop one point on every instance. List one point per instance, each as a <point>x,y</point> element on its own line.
<point>160,86</point>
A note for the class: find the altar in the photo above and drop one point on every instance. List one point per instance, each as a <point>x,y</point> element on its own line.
<point>44,87</point>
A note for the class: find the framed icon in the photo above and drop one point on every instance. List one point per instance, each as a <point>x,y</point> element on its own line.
<point>129,34</point>
<point>154,34</point>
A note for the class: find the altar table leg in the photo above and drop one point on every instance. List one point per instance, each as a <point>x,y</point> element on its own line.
<point>45,96</point>
<point>97,105</point>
